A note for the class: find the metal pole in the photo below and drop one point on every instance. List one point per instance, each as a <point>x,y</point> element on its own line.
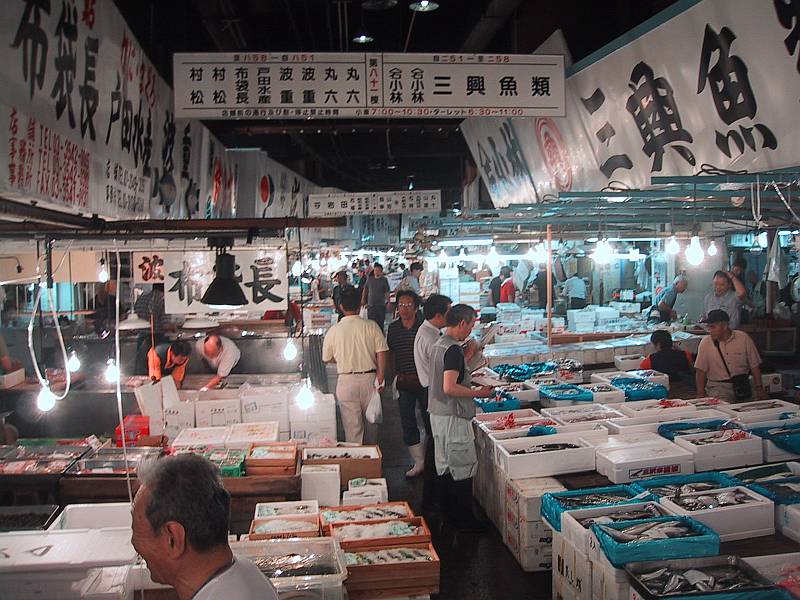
<point>549,285</point>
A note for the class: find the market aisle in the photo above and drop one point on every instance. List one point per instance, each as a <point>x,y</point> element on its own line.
<point>473,566</point>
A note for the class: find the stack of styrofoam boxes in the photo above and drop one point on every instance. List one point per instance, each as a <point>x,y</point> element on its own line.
<point>488,478</point>
<point>625,458</point>
<point>470,293</point>
<point>524,532</point>
<point>269,403</point>
<point>508,312</point>
<point>581,321</point>
<point>320,483</point>
<point>316,423</point>
<point>572,571</point>
<point>605,315</point>
<point>217,408</point>
<point>626,307</point>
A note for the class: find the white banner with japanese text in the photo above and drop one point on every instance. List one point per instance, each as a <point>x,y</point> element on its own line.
<point>262,276</point>
<point>300,85</point>
<point>715,87</point>
<point>374,203</point>
<point>89,124</point>
<point>148,267</point>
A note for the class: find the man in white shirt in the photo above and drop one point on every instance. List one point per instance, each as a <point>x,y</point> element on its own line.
<point>180,528</point>
<point>219,354</point>
<point>411,281</point>
<point>575,290</point>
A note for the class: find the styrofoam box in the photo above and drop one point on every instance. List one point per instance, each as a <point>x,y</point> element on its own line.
<point>651,375</point>
<point>607,376</point>
<point>93,516</point>
<point>217,413</point>
<point>535,384</point>
<point>580,536</point>
<point>628,362</point>
<point>323,409</point>
<point>787,520</point>
<point>11,379</point>
<point>375,484</point>
<point>706,403</point>
<point>321,483</point>
<point>621,465</point>
<point>570,415</point>
<point>361,496</point>
<point>572,569</point>
<point>722,455</point>
<point>748,412</point>
<point>614,396</point>
<point>738,522</point>
<point>646,408</point>
<point>594,433</point>
<point>644,424</point>
<point>244,435</point>
<point>773,382</point>
<point>266,404</point>
<point>203,436</point>
<point>178,417</point>
<point>302,507</point>
<point>522,413</point>
<point>573,460</point>
<point>536,558</point>
<point>526,495</point>
<point>313,432</point>
<point>608,582</point>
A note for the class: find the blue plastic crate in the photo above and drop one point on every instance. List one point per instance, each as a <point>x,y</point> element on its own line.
<point>619,553</point>
<point>552,508</point>
<point>558,392</point>
<point>721,479</point>
<point>636,388</point>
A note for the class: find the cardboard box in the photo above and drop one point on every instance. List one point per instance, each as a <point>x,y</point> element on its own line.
<point>11,379</point>
<point>217,413</point>
<point>773,382</point>
<point>319,482</point>
<point>354,462</point>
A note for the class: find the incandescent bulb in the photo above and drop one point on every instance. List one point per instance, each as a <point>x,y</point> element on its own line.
<point>672,246</point>
<point>290,350</point>
<point>602,252</point>
<point>712,249</point>
<point>694,252</point>
<point>297,269</point>
<point>305,398</point>
<point>443,255</point>
<point>74,363</point>
<point>46,399</point>
<point>112,371</point>
<point>102,274</point>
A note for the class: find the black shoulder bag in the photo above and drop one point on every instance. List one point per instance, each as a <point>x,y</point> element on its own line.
<point>741,383</point>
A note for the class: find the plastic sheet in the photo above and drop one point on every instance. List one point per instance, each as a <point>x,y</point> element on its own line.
<point>670,430</point>
<point>636,388</point>
<point>538,430</point>
<point>782,491</point>
<point>499,402</point>
<point>524,371</point>
<point>618,553</point>
<point>553,506</point>
<point>566,391</point>
<point>648,485</point>
<point>790,442</point>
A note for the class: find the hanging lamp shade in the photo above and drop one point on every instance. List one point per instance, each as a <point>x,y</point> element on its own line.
<point>133,323</point>
<point>224,292</point>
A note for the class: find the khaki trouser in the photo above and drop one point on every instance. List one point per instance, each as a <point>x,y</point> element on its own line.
<point>454,447</point>
<point>722,390</point>
<point>353,393</point>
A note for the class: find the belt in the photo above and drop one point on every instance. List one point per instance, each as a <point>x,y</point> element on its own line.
<point>721,380</point>
<point>358,372</point>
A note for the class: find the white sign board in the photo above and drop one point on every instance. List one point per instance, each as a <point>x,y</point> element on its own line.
<point>148,267</point>
<point>262,273</point>
<point>303,85</point>
<point>374,203</point>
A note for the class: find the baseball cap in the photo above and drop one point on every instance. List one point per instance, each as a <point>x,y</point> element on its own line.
<point>716,316</point>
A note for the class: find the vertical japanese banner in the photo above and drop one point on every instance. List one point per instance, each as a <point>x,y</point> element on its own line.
<point>262,276</point>
<point>714,87</point>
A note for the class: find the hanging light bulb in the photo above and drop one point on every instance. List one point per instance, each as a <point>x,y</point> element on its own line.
<point>297,269</point>
<point>46,400</point>
<point>305,397</point>
<point>531,254</point>
<point>694,252</point>
<point>712,249</point>
<point>102,274</point>
<point>290,350</point>
<point>74,363</point>
<point>602,252</point>
<point>672,246</point>
<point>493,259</point>
<point>112,371</point>
<point>541,253</point>
<point>443,255</point>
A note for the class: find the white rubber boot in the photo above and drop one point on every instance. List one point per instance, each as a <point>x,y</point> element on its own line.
<point>417,452</point>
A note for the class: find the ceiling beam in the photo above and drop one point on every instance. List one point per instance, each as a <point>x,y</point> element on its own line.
<point>493,19</point>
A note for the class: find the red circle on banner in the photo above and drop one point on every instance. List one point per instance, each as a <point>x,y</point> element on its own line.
<point>266,189</point>
<point>556,157</point>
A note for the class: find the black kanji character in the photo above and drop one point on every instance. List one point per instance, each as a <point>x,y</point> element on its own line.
<point>263,281</point>
<point>147,145</point>
<point>309,73</point>
<point>540,86</point>
<point>352,96</point>
<point>196,74</point>
<point>167,161</point>
<point>309,96</point>
<point>66,62</point>
<point>652,105</point>
<point>476,84</point>
<point>218,74</point>
<point>789,16</point>
<point>330,74</point>
<point>508,86</point>
<point>731,91</point>
<point>618,161</point>
<point>116,101</point>
<point>33,40</point>
<point>286,97</point>
<point>330,96</point>
<point>220,97</point>
<point>87,91</point>
<point>352,74</point>
<point>196,97</point>
<point>185,284</point>
<point>287,73</point>
<point>514,155</point>
<point>127,124</point>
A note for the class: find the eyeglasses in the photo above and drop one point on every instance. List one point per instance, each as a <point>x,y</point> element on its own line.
<point>407,305</point>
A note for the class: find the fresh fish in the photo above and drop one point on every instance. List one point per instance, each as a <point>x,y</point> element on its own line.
<point>721,578</point>
<point>675,583</point>
<point>701,581</point>
<point>592,499</point>
<point>546,448</point>
<point>621,515</point>
<point>728,435</point>
<point>712,501</point>
<point>646,532</point>
<point>653,575</point>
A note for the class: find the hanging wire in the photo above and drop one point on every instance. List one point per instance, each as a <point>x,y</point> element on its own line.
<point>709,169</point>
<point>119,382</point>
<point>783,199</point>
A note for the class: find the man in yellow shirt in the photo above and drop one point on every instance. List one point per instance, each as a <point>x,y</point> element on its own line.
<point>358,348</point>
<point>169,359</point>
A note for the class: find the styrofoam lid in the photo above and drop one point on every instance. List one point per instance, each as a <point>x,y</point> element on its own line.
<point>65,550</point>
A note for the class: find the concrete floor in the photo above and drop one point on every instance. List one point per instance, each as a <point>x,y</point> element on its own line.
<point>474,566</point>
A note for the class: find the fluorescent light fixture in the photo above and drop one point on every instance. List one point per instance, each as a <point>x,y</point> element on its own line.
<point>466,242</point>
<point>224,293</point>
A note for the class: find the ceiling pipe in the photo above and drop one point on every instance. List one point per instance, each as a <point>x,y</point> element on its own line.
<point>493,19</point>
<point>31,212</point>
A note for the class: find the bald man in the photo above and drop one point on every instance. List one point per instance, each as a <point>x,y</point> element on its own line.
<point>219,354</point>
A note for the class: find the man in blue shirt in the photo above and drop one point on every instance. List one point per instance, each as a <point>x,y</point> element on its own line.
<point>664,302</point>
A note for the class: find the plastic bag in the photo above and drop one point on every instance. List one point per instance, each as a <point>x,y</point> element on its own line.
<point>364,314</point>
<point>393,390</point>
<point>374,412</point>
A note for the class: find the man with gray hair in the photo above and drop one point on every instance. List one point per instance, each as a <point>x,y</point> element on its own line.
<point>180,528</point>
<point>664,302</point>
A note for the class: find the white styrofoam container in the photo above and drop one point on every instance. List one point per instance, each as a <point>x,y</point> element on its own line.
<point>378,484</point>
<point>525,495</point>
<point>359,497</point>
<point>570,415</point>
<point>739,522</point>
<point>608,582</point>
<point>294,507</point>
<point>11,379</point>
<point>594,433</point>
<point>628,362</point>
<point>706,403</point>
<point>93,516</point>
<point>267,404</point>
<point>794,467</point>
<point>178,417</point>
<point>651,375</point>
<point>522,413</point>
<point>573,570</point>
<point>321,483</point>
<point>313,432</point>
<point>607,376</point>
<point>646,408</point>
<point>773,382</point>
<point>213,437</point>
<point>616,395</point>
<point>534,385</point>
<point>621,465</point>
<point>787,520</point>
<point>748,412</point>
<point>773,453</point>
<point>217,413</point>
<point>244,435</point>
<point>643,424</point>
<point>722,455</point>
<point>573,460</point>
<point>579,535</point>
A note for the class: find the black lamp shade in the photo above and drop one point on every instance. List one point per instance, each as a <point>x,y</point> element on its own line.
<point>224,291</point>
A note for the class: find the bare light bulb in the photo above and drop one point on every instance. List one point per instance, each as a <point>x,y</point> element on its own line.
<point>290,350</point>
<point>297,269</point>
<point>672,246</point>
<point>112,371</point>
<point>602,252</point>
<point>102,275</point>
<point>46,400</point>
<point>712,249</point>
<point>694,252</point>
<point>74,363</point>
<point>305,397</point>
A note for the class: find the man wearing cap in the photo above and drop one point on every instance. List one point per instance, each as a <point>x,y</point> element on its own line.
<point>723,355</point>
<point>664,301</point>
